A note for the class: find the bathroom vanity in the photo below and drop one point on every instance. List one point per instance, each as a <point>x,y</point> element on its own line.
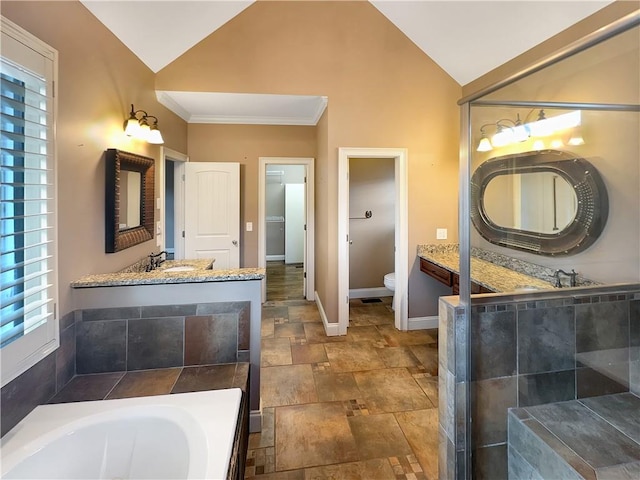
<point>490,272</point>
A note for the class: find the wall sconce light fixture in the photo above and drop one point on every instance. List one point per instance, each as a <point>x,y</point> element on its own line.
<point>513,131</point>
<point>137,126</point>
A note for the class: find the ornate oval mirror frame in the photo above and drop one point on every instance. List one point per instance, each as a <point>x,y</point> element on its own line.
<point>591,193</point>
<point>117,161</point>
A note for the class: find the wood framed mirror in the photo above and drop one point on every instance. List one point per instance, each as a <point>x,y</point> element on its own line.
<point>129,194</point>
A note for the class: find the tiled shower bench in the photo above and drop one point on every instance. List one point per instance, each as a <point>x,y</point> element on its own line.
<point>591,438</point>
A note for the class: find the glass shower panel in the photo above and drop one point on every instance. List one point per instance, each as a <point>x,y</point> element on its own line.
<point>556,151</point>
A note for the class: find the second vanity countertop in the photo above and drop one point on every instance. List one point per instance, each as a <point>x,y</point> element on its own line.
<point>136,275</point>
<point>483,272</point>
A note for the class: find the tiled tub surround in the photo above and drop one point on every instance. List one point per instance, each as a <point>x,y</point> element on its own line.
<point>495,271</point>
<point>136,338</point>
<point>161,336</point>
<point>531,349</point>
<point>591,438</point>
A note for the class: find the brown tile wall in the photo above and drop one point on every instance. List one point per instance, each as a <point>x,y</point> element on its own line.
<point>526,353</point>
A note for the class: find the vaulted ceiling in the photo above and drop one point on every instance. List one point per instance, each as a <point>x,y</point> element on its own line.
<point>466,38</point>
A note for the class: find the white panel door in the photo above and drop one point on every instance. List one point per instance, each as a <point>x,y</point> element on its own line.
<point>212,213</point>
<point>294,220</point>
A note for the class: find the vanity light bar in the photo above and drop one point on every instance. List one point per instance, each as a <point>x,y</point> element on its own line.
<point>542,127</point>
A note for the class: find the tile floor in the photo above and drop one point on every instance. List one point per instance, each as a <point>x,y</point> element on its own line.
<point>360,406</point>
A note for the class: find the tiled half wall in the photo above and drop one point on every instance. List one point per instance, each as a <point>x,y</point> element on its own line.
<point>131,338</point>
<point>531,350</point>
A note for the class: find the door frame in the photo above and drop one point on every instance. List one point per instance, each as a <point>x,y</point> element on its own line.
<point>401,262</point>
<point>179,160</point>
<point>309,261</point>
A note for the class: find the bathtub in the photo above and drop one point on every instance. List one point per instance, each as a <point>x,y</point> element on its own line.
<point>187,435</point>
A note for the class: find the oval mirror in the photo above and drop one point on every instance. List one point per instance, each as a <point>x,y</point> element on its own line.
<point>537,202</point>
<point>548,202</point>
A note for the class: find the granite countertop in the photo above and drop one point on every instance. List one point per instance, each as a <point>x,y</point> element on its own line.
<point>491,275</point>
<point>136,275</point>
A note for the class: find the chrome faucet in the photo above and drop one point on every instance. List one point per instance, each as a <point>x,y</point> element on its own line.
<point>572,277</point>
<point>155,260</point>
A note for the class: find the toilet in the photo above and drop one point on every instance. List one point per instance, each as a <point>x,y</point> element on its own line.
<point>390,283</point>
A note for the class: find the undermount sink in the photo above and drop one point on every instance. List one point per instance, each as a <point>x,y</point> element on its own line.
<point>183,268</point>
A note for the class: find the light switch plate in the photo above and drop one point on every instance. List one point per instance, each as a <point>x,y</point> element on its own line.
<point>249,226</point>
<point>441,233</point>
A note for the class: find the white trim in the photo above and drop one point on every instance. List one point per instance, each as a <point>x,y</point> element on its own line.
<point>331,329</point>
<point>175,156</point>
<point>309,263</point>
<point>172,105</point>
<point>253,120</point>
<point>25,352</point>
<point>423,323</point>
<point>275,258</point>
<point>400,156</point>
<point>370,292</point>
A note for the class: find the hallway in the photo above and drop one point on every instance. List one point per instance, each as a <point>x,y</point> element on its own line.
<point>364,405</point>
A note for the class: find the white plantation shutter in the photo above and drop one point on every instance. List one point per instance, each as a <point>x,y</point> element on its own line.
<point>28,290</point>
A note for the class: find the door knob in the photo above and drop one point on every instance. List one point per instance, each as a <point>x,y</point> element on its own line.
<point>235,242</point>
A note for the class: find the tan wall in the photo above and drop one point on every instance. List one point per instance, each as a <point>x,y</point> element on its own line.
<point>601,18</point>
<point>371,253</point>
<point>383,92</point>
<point>98,80</point>
<point>245,144</point>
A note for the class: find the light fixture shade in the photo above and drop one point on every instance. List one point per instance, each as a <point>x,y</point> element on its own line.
<point>538,145</point>
<point>155,137</point>
<point>576,137</point>
<point>484,145</point>
<point>132,127</point>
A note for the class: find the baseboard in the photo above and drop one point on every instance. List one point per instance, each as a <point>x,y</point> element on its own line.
<point>331,329</point>
<point>370,292</point>
<point>275,258</point>
<point>423,323</point>
<point>255,421</point>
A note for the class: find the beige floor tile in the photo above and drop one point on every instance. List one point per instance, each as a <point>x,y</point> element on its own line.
<point>312,435</point>
<point>304,313</point>
<point>309,353</point>
<point>267,328</point>
<point>352,357</point>
<point>394,357</point>
<point>287,385</point>
<point>421,429</point>
<point>315,333</point>
<point>376,469</point>
<point>429,386</point>
<point>368,333</point>
<point>378,436</point>
<point>428,357</point>
<point>377,314</point>
<point>396,338</point>
<point>390,390</point>
<point>289,330</point>
<point>290,475</point>
<point>336,386</point>
<point>276,351</point>
<point>264,438</point>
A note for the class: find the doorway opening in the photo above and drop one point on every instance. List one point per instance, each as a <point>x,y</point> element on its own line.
<point>171,220</point>
<point>400,230</point>
<point>286,227</point>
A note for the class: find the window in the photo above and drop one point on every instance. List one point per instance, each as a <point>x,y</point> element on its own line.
<point>28,291</point>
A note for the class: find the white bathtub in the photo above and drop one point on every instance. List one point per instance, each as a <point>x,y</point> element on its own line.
<point>187,435</point>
